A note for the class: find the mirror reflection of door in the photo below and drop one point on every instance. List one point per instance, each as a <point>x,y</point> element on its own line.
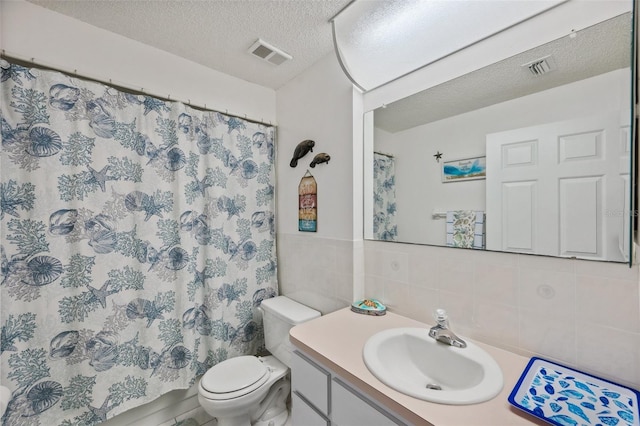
<point>551,189</point>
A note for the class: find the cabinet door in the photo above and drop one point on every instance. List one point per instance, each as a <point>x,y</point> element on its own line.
<point>311,381</point>
<point>349,408</point>
<point>303,414</point>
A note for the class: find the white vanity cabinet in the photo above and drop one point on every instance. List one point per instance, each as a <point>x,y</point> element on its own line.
<point>321,397</point>
<point>310,388</point>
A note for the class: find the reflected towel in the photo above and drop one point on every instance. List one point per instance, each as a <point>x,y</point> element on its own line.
<point>465,228</point>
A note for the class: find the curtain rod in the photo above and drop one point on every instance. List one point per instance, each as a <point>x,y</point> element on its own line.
<point>9,56</point>
<point>382,153</point>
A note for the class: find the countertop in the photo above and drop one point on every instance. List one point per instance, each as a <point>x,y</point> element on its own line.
<point>336,340</point>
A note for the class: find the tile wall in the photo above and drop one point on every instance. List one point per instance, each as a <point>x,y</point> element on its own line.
<point>317,272</point>
<point>581,313</point>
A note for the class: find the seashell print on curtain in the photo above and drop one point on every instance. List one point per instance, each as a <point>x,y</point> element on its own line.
<point>384,198</point>
<point>137,241</point>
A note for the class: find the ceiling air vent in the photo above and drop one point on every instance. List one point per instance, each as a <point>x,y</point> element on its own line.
<point>267,52</point>
<point>541,66</point>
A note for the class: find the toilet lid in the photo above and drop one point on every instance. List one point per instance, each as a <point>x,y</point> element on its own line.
<point>235,374</point>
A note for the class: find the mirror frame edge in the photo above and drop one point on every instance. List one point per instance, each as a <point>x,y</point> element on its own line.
<point>633,146</point>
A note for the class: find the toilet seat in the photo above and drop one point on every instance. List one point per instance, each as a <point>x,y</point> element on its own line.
<point>234,378</point>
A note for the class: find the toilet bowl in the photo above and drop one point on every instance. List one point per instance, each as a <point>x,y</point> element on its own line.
<point>249,390</point>
<point>240,391</point>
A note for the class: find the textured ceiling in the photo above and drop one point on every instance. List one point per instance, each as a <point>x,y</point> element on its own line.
<point>218,33</point>
<point>602,48</point>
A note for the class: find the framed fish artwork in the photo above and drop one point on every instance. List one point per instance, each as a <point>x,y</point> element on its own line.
<point>465,169</point>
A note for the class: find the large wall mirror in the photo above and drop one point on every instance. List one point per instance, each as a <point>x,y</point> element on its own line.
<point>529,155</point>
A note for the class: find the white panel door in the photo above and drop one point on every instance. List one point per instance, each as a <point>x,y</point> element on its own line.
<point>559,189</point>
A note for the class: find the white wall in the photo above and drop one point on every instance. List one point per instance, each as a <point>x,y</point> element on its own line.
<point>420,190</point>
<point>317,268</point>
<point>316,105</point>
<point>31,32</point>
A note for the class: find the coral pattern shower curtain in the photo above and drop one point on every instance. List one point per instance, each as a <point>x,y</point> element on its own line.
<point>384,198</point>
<point>137,240</point>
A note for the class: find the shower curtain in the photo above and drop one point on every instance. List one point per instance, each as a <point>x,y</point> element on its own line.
<point>137,240</point>
<point>384,198</point>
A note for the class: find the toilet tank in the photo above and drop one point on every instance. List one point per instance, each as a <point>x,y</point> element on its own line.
<point>279,314</point>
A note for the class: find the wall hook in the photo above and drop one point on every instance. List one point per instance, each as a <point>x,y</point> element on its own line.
<point>438,156</point>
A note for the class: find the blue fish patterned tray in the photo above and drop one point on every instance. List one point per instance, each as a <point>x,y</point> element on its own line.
<point>566,397</point>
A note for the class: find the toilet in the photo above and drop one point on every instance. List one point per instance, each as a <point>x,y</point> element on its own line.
<point>250,390</point>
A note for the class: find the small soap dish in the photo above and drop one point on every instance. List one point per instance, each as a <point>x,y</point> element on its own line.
<point>369,307</point>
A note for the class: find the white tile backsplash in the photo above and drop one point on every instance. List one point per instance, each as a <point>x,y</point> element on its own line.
<point>453,278</point>
<point>421,303</point>
<point>533,305</point>
<point>608,302</point>
<point>317,272</point>
<point>585,314</point>
<point>497,283</point>
<point>547,336</point>
<point>495,323</point>
<point>609,352</point>
<point>549,292</point>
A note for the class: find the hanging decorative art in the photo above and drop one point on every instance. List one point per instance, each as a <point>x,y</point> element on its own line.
<point>465,169</point>
<point>308,204</point>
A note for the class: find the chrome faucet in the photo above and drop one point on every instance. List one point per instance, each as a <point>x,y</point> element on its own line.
<point>442,333</point>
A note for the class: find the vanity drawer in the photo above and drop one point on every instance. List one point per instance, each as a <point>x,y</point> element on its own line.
<point>311,381</point>
<point>349,408</point>
<point>302,413</point>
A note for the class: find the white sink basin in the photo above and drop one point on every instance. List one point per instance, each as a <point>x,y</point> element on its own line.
<point>409,361</point>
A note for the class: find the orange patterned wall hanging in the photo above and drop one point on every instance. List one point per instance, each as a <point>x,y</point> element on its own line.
<point>307,204</point>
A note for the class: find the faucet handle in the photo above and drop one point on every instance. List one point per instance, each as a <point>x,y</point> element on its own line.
<point>441,317</point>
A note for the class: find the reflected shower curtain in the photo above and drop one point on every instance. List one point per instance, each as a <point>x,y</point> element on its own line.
<point>137,240</point>
<point>384,198</point>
